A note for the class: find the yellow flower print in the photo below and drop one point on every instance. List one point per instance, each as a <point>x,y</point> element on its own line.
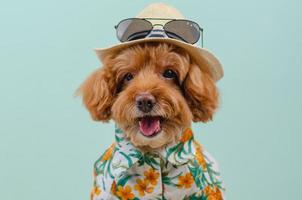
<point>108,154</point>
<point>151,176</point>
<point>185,181</point>
<point>142,187</point>
<point>113,188</point>
<point>212,193</point>
<point>199,156</point>
<point>96,191</point>
<point>186,135</point>
<point>125,193</point>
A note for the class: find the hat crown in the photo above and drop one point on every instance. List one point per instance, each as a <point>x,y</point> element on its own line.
<point>160,10</point>
<point>202,57</point>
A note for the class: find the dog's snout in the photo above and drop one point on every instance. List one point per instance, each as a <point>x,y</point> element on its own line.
<point>145,102</point>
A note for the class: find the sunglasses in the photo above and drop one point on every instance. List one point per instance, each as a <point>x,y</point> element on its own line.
<point>139,28</point>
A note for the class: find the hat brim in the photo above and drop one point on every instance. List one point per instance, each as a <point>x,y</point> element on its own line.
<point>202,57</point>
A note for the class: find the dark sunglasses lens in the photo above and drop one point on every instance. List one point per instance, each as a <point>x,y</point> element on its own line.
<point>133,29</point>
<point>184,30</point>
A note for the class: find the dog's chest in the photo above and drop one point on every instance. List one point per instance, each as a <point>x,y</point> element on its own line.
<point>179,171</point>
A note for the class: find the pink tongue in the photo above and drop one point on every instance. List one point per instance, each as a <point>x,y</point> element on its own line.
<point>148,126</point>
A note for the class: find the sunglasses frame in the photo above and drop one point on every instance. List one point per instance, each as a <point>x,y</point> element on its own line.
<point>163,25</point>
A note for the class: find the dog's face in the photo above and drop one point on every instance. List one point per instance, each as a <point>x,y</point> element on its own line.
<point>152,91</point>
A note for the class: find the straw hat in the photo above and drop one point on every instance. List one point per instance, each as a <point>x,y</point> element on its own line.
<point>202,57</point>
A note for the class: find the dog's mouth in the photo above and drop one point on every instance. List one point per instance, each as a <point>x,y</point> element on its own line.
<point>149,126</point>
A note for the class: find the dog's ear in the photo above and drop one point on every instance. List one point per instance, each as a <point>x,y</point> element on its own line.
<point>98,93</point>
<point>201,93</point>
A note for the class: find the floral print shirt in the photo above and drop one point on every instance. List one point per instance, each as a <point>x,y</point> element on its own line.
<point>183,170</point>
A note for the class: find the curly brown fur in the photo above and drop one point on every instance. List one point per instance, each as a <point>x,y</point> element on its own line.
<point>192,96</point>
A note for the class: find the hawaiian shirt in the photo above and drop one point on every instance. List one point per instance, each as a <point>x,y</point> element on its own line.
<point>182,170</point>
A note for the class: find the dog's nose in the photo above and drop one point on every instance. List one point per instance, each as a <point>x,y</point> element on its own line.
<point>145,102</point>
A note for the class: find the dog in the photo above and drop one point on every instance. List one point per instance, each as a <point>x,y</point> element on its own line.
<point>153,92</point>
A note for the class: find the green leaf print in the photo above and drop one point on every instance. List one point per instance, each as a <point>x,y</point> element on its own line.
<point>149,159</point>
<point>190,145</point>
<point>123,180</point>
<point>127,158</point>
<point>213,175</point>
<point>168,180</point>
<point>174,149</point>
<point>195,197</point>
<point>109,169</point>
<point>135,153</point>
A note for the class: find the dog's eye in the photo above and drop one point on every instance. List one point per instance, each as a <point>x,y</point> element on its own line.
<point>128,77</point>
<point>170,74</point>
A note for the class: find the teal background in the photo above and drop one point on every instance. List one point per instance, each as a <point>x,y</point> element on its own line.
<point>48,143</point>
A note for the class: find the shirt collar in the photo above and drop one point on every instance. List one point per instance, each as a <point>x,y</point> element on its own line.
<point>177,153</point>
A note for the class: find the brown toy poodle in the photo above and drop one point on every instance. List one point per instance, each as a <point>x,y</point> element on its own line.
<point>153,92</point>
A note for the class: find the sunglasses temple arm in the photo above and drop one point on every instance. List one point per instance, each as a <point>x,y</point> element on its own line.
<point>202,38</point>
